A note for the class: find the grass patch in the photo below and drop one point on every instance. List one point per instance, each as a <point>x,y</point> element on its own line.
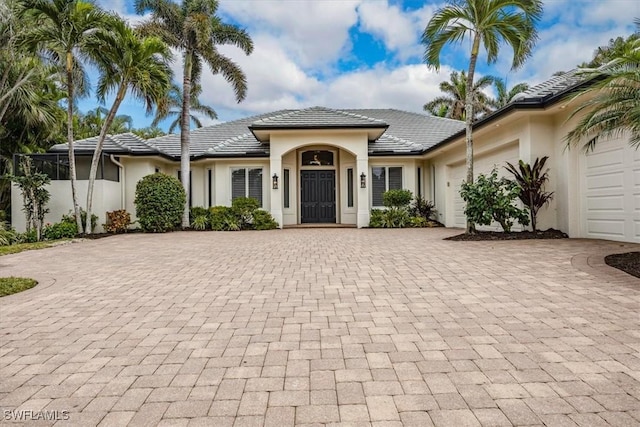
<point>12,285</point>
<point>21,247</point>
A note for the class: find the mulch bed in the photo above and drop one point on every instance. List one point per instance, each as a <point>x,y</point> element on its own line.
<point>499,235</point>
<point>628,262</point>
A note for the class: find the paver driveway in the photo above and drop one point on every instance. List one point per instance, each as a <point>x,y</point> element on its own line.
<point>317,326</point>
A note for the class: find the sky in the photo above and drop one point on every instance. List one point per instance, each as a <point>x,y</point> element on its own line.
<point>367,53</point>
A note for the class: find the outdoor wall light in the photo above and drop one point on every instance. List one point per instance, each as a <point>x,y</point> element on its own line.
<point>275,181</point>
<point>363,180</point>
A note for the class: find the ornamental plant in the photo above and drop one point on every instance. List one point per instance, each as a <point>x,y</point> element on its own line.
<point>159,202</point>
<point>491,198</point>
<point>117,221</point>
<point>531,180</point>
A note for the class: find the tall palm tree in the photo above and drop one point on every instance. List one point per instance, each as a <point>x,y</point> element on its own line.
<point>506,95</point>
<point>61,30</point>
<point>128,63</point>
<point>488,23</point>
<point>456,89</point>
<point>194,28</point>
<point>90,124</point>
<point>614,107</point>
<point>172,107</point>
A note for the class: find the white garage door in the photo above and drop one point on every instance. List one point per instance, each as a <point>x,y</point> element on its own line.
<point>611,192</point>
<point>482,164</point>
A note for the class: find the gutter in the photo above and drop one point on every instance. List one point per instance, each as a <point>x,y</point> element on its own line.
<point>122,180</point>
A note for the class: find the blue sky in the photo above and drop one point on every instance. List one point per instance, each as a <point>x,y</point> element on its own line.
<point>367,53</point>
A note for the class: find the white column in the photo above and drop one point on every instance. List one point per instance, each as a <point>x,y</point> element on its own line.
<point>275,166</point>
<point>362,166</point>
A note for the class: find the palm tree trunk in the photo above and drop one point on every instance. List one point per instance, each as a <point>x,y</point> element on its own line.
<point>184,133</point>
<point>72,159</point>
<point>469,117</point>
<point>97,154</point>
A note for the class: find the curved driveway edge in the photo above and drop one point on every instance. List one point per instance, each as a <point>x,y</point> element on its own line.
<point>321,326</point>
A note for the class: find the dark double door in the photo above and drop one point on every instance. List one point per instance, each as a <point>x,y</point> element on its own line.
<point>318,196</point>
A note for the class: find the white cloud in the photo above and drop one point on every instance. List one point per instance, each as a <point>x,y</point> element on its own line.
<point>314,32</point>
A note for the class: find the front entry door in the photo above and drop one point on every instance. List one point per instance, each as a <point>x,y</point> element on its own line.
<point>318,188</point>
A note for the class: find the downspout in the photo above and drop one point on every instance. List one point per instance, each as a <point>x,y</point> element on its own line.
<point>122,180</point>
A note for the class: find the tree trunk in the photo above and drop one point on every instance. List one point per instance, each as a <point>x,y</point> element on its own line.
<point>469,118</point>
<point>72,159</point>
<point>532,212</point>
<point>185,165</point>
<point>97,154</point>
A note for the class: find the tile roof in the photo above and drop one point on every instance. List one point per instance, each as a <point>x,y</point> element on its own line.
<point>316,118</point>
<point>120,143</point>
<point>556,85</point>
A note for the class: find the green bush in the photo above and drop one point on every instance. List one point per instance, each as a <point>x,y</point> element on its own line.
<point>397,198</point>
<point>30,236</point>
<point>159,202</point>
<point>492,199</point>
<point>60,230</point>
<point>243,208</point>
<point>197,211</point>
<point>376,218</point>
<point>71,219</point>
<point>422,208</point>
<point>262,220</point>
<point>395,218</point>
<point>200,222</point>
<point>219,216</point>
<point>418,222</point>
<point>7,235</point>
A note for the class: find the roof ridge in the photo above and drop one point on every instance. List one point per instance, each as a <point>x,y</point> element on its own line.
<point>359,116</point>
<point>228,141</point>
<point>398,139</point>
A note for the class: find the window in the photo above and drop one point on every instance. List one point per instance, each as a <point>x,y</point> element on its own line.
<point>350,187</point>
<point>246,182</point>
<point>419,182</point>
<point>285,184</point>
<point>317,158</point>
<point>383,179</point>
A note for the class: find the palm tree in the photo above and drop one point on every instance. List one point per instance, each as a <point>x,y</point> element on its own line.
<point>91,123</point>
<point>61,30</point>
<point>614,107</point>
<point>131,64</point>
<point>488,23</point>
<point>172,107</point>
<point>504,95</point>
<point>456,89</point>
<point>194,28</point>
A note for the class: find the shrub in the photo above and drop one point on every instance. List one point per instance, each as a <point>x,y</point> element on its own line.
<point>60,230</point>
<point>376,218</point>
<point>531,180</point>
<point>30,236</point>
<point>243,208</point>
<point>7,235</point>
<point>71,219</point>
<point>397,198</point>
<point>418,221</point>
<point>422,208</point>
<point>490,198</point>
<point>262,220</point>
<point>197,211</point>
<point>117,221</point>
<point>200,222</point>
<point>220,217</point>
<point>159,202</point>
<point>395,218</point>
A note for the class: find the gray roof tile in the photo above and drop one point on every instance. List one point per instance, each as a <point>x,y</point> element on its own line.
<point>317,117</point>
<point>120,143</point>
<point>554,86</point>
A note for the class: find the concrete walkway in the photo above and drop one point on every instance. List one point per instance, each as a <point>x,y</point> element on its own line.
<point>321,326</point>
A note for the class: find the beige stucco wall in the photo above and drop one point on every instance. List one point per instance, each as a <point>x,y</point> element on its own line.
<point>106,198</point>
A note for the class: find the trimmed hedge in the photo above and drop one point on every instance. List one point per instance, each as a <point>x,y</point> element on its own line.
<point>159,202</point>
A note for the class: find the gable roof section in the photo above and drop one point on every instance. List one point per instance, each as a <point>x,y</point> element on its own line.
<point>318,118</point>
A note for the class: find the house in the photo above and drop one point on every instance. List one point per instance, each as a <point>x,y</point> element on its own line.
<point>323,165</point>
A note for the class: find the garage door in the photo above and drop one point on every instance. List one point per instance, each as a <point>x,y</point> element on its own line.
<point>611,192</point>
<point>482,164</point>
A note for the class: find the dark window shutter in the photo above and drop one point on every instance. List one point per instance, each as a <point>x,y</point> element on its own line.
<point>377,185</point>
<point>255,184</point>
<point>395,178</point>
<point>238,182</point>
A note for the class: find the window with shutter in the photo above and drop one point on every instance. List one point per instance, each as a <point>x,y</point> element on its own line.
<point>238,183</point>
<point>285,184</point>
<point>255,185</point>
<point>378,185</point>
<point>350,187</point>
<point>395,178</point>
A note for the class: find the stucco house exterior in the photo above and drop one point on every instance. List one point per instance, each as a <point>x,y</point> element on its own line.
<point>323,165</point>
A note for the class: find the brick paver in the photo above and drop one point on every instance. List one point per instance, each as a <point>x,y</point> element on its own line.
<point>316,326</point>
